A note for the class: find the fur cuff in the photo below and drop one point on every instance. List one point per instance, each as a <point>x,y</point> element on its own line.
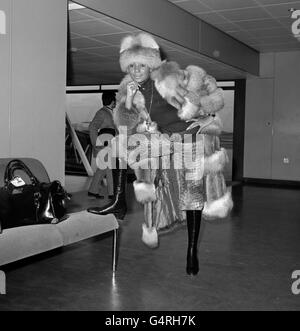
<point>196,75</point>
<point>215,162</point>
<point>209,84</point>
<point>188,110</point>
<point>150,237</point>
<point>144,192</point>
<point>167,79</point>
<point>219,208</point>
<point>212,103</point>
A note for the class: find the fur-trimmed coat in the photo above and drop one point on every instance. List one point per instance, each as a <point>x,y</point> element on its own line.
<point>201,103</point>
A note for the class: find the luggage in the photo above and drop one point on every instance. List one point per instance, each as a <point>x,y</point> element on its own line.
<point>24,203</point>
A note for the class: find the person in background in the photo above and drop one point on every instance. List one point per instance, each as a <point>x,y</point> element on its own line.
<point>102,123</point>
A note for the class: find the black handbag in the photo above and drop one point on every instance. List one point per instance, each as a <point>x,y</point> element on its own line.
<point>27,204</point>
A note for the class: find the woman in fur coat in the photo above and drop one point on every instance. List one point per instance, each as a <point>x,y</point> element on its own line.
<point>171,113</point>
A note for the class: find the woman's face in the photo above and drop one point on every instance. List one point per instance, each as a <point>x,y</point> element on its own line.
<point>139,72</point>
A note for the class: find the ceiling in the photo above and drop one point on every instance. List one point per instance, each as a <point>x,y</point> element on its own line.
<point>265,25</point>
<point>95,38</point>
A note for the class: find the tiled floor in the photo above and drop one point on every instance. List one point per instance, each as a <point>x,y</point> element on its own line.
<point>246,263</point>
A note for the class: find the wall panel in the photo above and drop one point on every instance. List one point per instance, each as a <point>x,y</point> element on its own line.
<point>33,80</point>
<point>286,141</point>
<point>5,68</point>
<point>258,128</point>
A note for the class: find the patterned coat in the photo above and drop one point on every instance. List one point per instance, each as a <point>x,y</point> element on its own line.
<point>202,184</point>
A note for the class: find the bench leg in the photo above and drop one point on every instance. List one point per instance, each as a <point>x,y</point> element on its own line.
<point>2,282</point>
<point>115,250</point>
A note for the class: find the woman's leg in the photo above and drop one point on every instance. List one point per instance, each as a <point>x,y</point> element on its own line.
<point>193,218</point>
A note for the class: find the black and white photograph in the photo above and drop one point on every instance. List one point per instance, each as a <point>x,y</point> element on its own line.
<point>150,158</point>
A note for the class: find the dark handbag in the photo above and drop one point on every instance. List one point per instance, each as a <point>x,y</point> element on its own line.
<point>27,204</point>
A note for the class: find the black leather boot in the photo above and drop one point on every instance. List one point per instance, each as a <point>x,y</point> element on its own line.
<point>117,206</point>
<point>193,218</point>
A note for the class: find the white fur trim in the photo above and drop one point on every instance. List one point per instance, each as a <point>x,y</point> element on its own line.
<point>150,236</point>
<point>167,78</point>
<point>127,42</point>
<point>146,40</point>
<point>218,208</point>
<point>210,84</point>
<point>141,39</point>
<point>215,162</point>
<point>188,110</point>
<point>213,102</point>
<point>196,76</point>
<point>144,192</point>
<point>167,87</point>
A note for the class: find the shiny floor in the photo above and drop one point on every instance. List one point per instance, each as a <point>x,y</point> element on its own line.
<point>246,263</point>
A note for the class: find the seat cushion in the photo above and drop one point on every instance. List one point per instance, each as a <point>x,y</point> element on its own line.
<point>83,225</point>
<point>24,241</point>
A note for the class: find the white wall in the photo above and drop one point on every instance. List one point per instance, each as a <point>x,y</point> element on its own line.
<point>286,118</point>
<point>33,80</point>
<point>5,81</point>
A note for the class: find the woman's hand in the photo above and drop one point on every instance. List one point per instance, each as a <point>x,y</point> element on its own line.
<point>132,88</point>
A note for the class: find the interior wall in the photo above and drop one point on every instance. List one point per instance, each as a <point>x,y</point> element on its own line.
<point>33,82</point>
<point>272,131</point>
<point>5,66</point>
<point>286,139</point>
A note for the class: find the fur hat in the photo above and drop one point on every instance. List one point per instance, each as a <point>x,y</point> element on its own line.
<point>140,48</point>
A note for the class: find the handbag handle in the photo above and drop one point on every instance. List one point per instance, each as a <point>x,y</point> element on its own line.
<point>17,164</point>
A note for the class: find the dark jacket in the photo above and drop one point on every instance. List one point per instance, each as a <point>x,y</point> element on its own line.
<point>102,120</point>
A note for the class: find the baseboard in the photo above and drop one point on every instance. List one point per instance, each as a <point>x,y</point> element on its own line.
<point>271,182</point>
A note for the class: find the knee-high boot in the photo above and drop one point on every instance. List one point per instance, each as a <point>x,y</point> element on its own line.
<point>118,205</point>
<point>193,226</point>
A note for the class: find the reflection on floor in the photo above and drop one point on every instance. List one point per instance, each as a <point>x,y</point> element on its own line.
<point>246,263</point>
<point>226,140</point>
